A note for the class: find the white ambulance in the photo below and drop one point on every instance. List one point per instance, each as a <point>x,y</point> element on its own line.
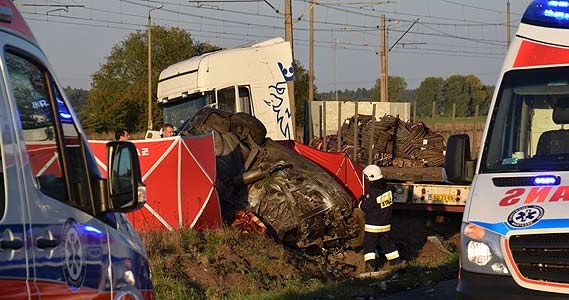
<point>515,231</point>
<point>251,78</point>
<point>62,233</point>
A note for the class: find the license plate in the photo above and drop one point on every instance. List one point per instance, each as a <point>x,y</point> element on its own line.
<point>444,197</point>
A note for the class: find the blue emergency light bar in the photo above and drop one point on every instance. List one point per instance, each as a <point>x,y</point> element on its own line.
<point>547,13</point>
<point>546,180</point>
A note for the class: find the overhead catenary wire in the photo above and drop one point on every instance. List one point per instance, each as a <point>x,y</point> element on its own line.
<point>474,45</point>
<point>346,45</point>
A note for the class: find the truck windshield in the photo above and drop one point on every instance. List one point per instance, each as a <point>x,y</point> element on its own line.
<point>529,126</point>
<point>178,110</point>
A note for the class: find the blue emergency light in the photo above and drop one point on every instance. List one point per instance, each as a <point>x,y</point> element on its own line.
<point>546,180</point>
<point>547,13</point>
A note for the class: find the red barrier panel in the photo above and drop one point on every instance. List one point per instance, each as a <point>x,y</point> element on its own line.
<point>180,177</point>
<point>338,164</point>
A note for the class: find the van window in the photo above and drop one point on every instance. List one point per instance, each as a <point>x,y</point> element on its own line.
<point>2,183</point>
<point>529,128</point>
<point>245,99</point>
<point>226,99</point>
<point>78,175</point>
<point>31,86</point>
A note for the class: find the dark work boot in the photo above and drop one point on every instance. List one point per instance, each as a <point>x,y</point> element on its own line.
<point>371,266</point>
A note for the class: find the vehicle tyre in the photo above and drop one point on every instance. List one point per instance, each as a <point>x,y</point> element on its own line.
<point>244,124</point>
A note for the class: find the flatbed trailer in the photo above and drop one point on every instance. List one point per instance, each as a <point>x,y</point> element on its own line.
<point>425,189</point>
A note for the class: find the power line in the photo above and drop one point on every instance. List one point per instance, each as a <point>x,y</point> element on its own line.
<point>463,21</point>
<point>478,7</point>
<point>322,44</point>
<point>272,27</point>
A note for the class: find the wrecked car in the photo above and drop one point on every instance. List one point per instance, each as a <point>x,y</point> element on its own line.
<point>300,203</point>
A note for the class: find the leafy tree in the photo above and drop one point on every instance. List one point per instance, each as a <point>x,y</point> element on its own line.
<point>119,89</point>
<point>454,93</point>
<point>466,92</point>
<point>430,89</point>
<point>79,99</point>
<point>301,88</point>
<point>396,85</point>
<point>485,105</point>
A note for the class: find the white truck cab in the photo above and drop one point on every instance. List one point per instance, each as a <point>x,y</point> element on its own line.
<point>251,78</point>
<point>62,233</point>
<point>515,231</point>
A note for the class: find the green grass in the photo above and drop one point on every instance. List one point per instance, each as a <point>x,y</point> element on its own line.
<point>223,264</point>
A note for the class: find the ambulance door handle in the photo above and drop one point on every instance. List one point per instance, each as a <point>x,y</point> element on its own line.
<point>12,245</point>
<point>46,243</point>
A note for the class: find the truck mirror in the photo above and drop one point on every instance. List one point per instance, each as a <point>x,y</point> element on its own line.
<point>124,184</point>
<point>458,166</point>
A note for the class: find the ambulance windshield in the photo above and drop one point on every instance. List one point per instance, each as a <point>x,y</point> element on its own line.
<point>529,126</point>
<point>178,110</point>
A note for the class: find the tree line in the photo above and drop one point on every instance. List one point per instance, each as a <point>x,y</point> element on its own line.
<point>118,95</point>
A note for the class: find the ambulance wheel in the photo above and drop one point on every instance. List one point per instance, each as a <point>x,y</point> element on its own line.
<point>244,124</point>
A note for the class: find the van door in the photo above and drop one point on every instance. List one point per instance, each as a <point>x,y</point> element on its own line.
<point>15,275</point>
<point>78,250</point>
<point>70,246</point>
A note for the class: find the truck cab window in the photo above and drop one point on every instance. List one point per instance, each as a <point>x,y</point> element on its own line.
<point>226,99</point>
<point>244,99</point>
<point>30,85</point>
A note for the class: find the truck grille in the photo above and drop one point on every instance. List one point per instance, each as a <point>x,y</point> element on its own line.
<point>542,256</point>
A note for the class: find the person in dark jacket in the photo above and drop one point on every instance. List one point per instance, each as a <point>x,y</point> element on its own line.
<point>376,203</point>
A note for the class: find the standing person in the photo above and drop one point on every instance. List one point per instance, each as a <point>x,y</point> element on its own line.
<point>167,130</point>
<point>121,135</point>
<point>377,206</point>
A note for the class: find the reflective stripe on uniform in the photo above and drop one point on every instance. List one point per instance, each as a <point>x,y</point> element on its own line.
<point>392,255</point>
<point>369,256</point>
<point>377,228</point>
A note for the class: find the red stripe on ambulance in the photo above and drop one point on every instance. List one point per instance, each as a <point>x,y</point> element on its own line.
<point>534,54</point>
<point>535,195</point>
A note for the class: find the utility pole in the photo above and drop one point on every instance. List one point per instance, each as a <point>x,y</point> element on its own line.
<point>150,66</point>
<point>340,123</point>
<point>311,63</point>
<point>289,38</point>
<point>311,67</point>
<point>508,25</point>
<point>383,59</point>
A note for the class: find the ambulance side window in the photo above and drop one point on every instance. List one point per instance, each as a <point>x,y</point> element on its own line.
<point>78,175</point>
<point>2,188</point>
<point>31,87</point>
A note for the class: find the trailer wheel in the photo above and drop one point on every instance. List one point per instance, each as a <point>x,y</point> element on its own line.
<point>243,125</point>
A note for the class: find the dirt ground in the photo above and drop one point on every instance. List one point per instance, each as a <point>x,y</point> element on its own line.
<point>425,239</point>
<point>225,264</point>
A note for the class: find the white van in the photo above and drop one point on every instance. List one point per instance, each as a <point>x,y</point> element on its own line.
<point>251,79</point>
<point>62,234</point>
<point>515,231</point>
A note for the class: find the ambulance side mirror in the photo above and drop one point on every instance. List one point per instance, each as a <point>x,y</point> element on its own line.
<point>458,166</point>
<point>126,192</point>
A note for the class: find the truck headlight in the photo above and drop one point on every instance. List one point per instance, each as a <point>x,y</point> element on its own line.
<point>481,252</point>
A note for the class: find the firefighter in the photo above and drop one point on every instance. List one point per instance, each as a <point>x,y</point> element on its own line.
<point>377,205</point>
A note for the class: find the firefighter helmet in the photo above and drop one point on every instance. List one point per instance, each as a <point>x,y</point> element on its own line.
<point>373,173</point>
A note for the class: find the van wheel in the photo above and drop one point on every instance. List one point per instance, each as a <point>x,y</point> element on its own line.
<point>243,125</point>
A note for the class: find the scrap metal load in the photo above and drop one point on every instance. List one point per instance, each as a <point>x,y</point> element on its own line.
<point>297,200</point>
<point>393,142</point>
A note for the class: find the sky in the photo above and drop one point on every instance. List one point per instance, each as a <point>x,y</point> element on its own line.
<point>450,36</point>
